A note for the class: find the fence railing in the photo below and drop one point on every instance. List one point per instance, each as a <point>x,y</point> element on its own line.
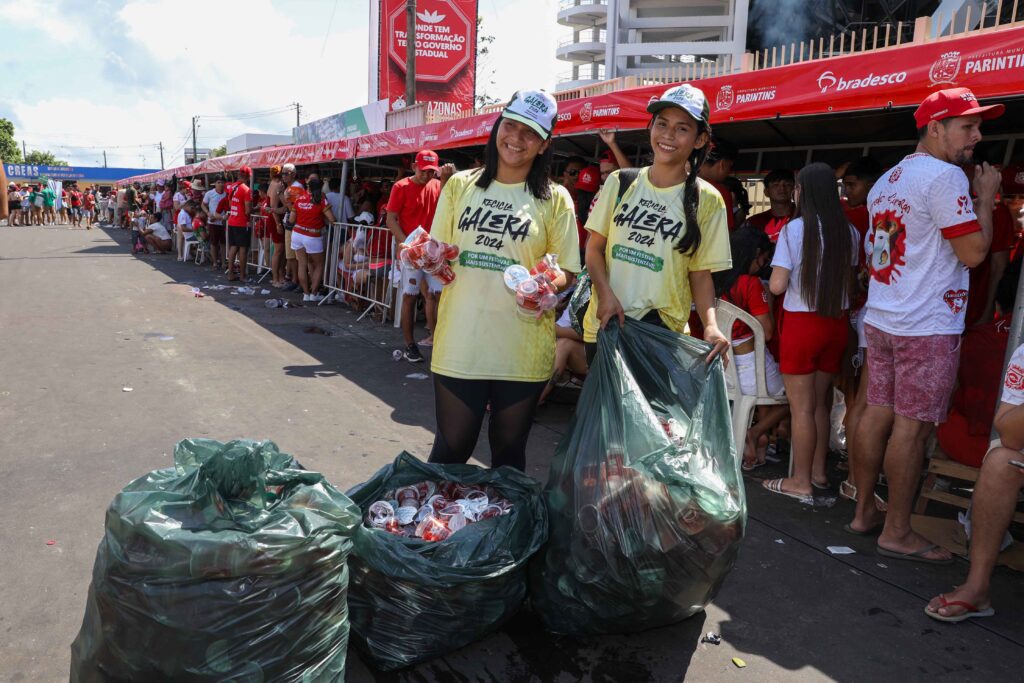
<point>261,247</point>
<point>567,4</point>
<point>358,267</point>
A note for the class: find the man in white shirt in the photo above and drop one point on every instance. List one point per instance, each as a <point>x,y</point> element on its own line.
<point>924,233</point>
<point>341,206</point>
<point>215,217</point>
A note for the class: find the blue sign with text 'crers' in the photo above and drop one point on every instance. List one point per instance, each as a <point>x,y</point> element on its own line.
<point>17,172</point>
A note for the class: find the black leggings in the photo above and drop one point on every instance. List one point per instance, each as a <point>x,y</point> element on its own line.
<point>460,405</point>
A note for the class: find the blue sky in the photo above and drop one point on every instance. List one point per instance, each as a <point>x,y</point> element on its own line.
<point>123,75</point>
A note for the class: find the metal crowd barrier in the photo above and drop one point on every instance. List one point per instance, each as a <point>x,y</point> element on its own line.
<point>359,270</point>
<point>260,247</point>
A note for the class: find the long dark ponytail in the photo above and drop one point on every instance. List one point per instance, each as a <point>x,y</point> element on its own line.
<point>538,181</point>
<point>826,270</point>
<point>316,188</point>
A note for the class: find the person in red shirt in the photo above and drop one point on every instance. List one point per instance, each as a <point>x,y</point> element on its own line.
<point>588,182</point>
<point>778,186</point>
<point>966,433</point>
<point>312,216</point>
<point>985,277</point>
<point>411,205</point>
<point>742,287</point>
<point>89,203</point>
<point>716,168</point>
<point>239,238</point>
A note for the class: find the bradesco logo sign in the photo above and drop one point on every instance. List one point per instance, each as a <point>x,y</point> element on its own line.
<point>829,81</point>
<point>442,40</point>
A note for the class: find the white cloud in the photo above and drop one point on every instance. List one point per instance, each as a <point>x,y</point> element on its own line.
<point>160,62</point>
<point>41,15</point>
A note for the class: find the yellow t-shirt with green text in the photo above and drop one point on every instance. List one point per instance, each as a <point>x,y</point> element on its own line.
<point>479,334</point>
<point>645,270</point>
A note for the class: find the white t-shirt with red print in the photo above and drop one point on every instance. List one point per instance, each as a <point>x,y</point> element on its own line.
<point>918,285</point>
<point>1013,383</point>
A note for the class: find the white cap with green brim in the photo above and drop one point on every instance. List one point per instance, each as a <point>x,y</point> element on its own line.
<point>685,97</point>
<point>533,108</point>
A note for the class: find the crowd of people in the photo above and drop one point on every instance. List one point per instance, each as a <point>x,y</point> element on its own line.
<point>889,286</point>
<point>50,203</point>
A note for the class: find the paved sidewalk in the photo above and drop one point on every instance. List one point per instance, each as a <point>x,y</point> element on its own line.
<point>81,320</point>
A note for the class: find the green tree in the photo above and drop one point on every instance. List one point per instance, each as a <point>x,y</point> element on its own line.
<point>218,151</point>
<point>9,150</point>
<point>484,66</point>
<point>41,158</point>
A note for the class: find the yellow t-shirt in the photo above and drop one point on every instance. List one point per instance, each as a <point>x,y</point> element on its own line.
<point>479,334</point>
<point>645,270</point>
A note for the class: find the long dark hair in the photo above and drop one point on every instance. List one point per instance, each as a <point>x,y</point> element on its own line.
<point>746,243</point>
<point>315,187</point>
<point>690,241</point>
<point>538,181</point>
<point>826,273</point>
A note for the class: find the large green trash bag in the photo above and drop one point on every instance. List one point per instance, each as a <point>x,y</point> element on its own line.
<point>413,600</point>
<point>231,565</point>
<point>645,498</point>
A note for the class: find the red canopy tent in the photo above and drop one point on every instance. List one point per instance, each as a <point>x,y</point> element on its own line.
<point>990,62</point>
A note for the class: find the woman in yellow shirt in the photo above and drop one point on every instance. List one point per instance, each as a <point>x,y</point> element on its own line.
<point>506,213</point>
<point>650,255</point>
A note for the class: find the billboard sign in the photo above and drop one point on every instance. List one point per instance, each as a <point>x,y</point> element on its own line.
<point>445,55</point>
<point>363,120</point>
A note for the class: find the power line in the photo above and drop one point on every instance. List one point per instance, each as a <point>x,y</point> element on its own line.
<point>251,114</point>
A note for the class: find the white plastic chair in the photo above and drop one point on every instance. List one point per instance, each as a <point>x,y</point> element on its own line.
<point>742,405</point>
<point>200,250</point>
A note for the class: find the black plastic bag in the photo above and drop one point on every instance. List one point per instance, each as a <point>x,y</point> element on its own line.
<point>413,600</point>
<point>645,498</point>
<point>229,566</point>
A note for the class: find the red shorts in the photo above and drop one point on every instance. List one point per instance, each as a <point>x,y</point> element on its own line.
<point>812,343</point>
<point>277,237</point>
<point>913,375</point>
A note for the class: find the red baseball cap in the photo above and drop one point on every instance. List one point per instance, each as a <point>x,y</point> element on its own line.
<point>607,157</point>
<point>426,160</point>
<point>1013,180</point>
<point>245,170</point>
<point>589,179</point>
<point>945,104</point>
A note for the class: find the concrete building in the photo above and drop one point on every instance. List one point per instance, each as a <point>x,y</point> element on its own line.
<point>247,142</point>
<point>613,38</point>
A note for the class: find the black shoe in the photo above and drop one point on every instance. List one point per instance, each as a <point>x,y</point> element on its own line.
<point>412,354</point>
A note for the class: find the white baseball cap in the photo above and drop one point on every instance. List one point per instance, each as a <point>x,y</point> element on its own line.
<point>685,97</point>
<point>288,168</point>
<point>533,108</point>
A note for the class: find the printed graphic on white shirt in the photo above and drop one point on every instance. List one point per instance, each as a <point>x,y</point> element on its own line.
<point>1013,383</point>
<point>919,286</point>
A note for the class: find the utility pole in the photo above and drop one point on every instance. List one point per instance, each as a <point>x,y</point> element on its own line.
<point>24,150</point>
<point>161,155</point>
<point>410,52</point>
<point>298,108</point>
<point>104,158</point>
<point>195,154</point>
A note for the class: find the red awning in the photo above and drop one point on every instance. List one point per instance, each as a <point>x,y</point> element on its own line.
<point>990,62</point>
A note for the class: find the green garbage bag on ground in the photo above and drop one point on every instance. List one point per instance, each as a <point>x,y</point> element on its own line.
<point>231,565</point>
<point>412,600</point>
<point>645,498</point>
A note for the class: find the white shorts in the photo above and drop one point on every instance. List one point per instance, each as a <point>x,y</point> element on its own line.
<point>310,245</point>
<point>746,370</point>
<point>411,279</point>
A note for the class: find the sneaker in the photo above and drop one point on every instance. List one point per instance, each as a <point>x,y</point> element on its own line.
<point>412,354</point>
<point>316,298</point>
<point>305,297</point>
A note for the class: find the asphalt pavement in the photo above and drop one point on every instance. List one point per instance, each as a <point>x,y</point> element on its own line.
<point>107,360</point>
